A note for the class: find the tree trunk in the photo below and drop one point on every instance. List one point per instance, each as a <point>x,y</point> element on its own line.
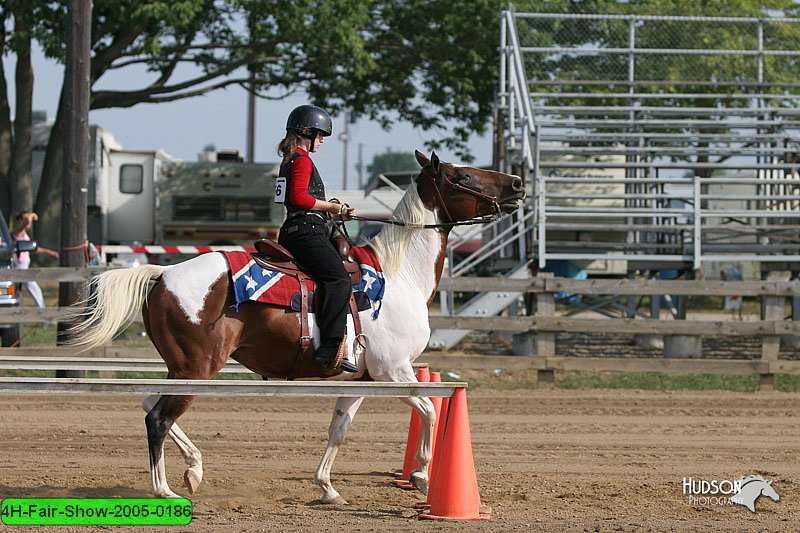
<point>6,141</point>
<point>48,198</point>
<point>76,159</point>
<point>21,176</point>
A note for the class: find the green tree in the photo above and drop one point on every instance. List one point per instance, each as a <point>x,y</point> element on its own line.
<point>390,161</point>
<point>15,147</point>
<point>433,63</point>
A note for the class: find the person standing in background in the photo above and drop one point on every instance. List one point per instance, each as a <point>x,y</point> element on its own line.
<point>23,221</point>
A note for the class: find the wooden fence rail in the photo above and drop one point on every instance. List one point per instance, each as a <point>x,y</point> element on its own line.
<point>618,325</point>
<point>52,273</point>
<point>624,287</point>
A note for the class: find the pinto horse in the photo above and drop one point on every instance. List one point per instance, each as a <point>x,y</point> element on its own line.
<point>191,318</point>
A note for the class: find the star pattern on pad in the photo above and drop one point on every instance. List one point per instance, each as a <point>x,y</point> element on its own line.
<point>368,281</point>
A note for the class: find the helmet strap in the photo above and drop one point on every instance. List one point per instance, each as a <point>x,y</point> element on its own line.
<point>312,136</point>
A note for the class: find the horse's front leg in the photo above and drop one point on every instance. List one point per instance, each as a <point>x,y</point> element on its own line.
<point>343,414</point>
<point>427,415</point>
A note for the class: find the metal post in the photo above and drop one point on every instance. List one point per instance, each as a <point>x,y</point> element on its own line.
<point>512,123</point>
<point>631,53</point>
<point>697,223</point>
<point>630,236</point>
<point>503,58</point>
<point>760,54</point>
<point>541,215</point>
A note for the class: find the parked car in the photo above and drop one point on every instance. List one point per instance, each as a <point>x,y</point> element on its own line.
<point>10,334</point>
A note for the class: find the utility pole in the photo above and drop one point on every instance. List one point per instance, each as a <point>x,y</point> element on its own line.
<point>345,138</point>
<point>360,166</point>
<point>251,103</point>
<point>251,119</point>
<point>74,248</point>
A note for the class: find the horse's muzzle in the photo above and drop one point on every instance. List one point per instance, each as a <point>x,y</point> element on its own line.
<point>511,201</point>
<point>509,207</point>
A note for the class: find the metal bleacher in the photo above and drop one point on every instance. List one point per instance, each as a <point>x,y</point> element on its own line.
<point>630,162</point>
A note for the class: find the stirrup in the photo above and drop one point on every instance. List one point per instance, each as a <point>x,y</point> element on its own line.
<point>347,366</point>
<point>344,364</point>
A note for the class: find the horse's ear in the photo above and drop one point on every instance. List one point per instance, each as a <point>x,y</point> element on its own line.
<point>421,158</point>
<point>435,161</point>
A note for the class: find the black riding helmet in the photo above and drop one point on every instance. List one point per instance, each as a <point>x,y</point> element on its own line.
<point>310,116</point>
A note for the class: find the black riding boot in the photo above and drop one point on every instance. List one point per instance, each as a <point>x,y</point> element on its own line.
<point>326,355</point>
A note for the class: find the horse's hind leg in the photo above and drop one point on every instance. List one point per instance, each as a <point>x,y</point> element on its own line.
<point>191,455</point>
<point>343,415</point>
<point>159,421</point>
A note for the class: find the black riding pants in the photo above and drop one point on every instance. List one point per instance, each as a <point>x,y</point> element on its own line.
<point>307,238</point>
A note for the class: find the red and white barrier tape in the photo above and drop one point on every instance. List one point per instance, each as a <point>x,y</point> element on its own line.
<point>150,249</point>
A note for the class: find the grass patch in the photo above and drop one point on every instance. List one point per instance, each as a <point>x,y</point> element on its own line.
<point>27,373</point>
<point>659,381</point>
<point>502,384</point>
<point>133,336</point>
<point>38,335</point>
<point>527,380</point>
<point>786,383</point>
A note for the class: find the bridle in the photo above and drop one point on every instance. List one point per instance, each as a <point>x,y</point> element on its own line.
<point>446,181</point>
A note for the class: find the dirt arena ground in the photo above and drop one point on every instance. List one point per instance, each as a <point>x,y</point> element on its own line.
<point>547,460</point>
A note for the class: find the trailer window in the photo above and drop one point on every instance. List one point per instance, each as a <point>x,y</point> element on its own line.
<point>223,209</point>
<point>131,179</point>
<point>249,209</point>
<point>196,208</point>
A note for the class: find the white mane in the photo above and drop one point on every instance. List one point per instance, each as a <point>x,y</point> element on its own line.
<point>391,243</point>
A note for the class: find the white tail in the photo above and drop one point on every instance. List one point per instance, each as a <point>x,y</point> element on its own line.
<point>118,296</point>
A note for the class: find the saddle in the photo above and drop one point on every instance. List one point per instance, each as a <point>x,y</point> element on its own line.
<point>272,256</point>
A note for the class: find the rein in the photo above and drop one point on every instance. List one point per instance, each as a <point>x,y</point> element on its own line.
<point>471,222</point>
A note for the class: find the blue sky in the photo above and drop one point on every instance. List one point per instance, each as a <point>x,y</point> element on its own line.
<point>184,127</point>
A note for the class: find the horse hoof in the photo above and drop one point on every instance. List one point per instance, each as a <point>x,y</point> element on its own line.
<point>167,494</point>
<point>335,500</point>
<point>420,482</point>
<point>191,480</point>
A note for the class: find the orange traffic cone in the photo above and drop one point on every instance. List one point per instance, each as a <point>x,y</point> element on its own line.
<point>441,423</point>
<point>455,491</point>
<point>409,462</point>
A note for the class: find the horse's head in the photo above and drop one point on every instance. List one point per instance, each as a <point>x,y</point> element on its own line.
<point>769,491</point>
<point>462,193</point>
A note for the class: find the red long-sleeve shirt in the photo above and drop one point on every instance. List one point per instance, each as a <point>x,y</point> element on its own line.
<point>301,175</point>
